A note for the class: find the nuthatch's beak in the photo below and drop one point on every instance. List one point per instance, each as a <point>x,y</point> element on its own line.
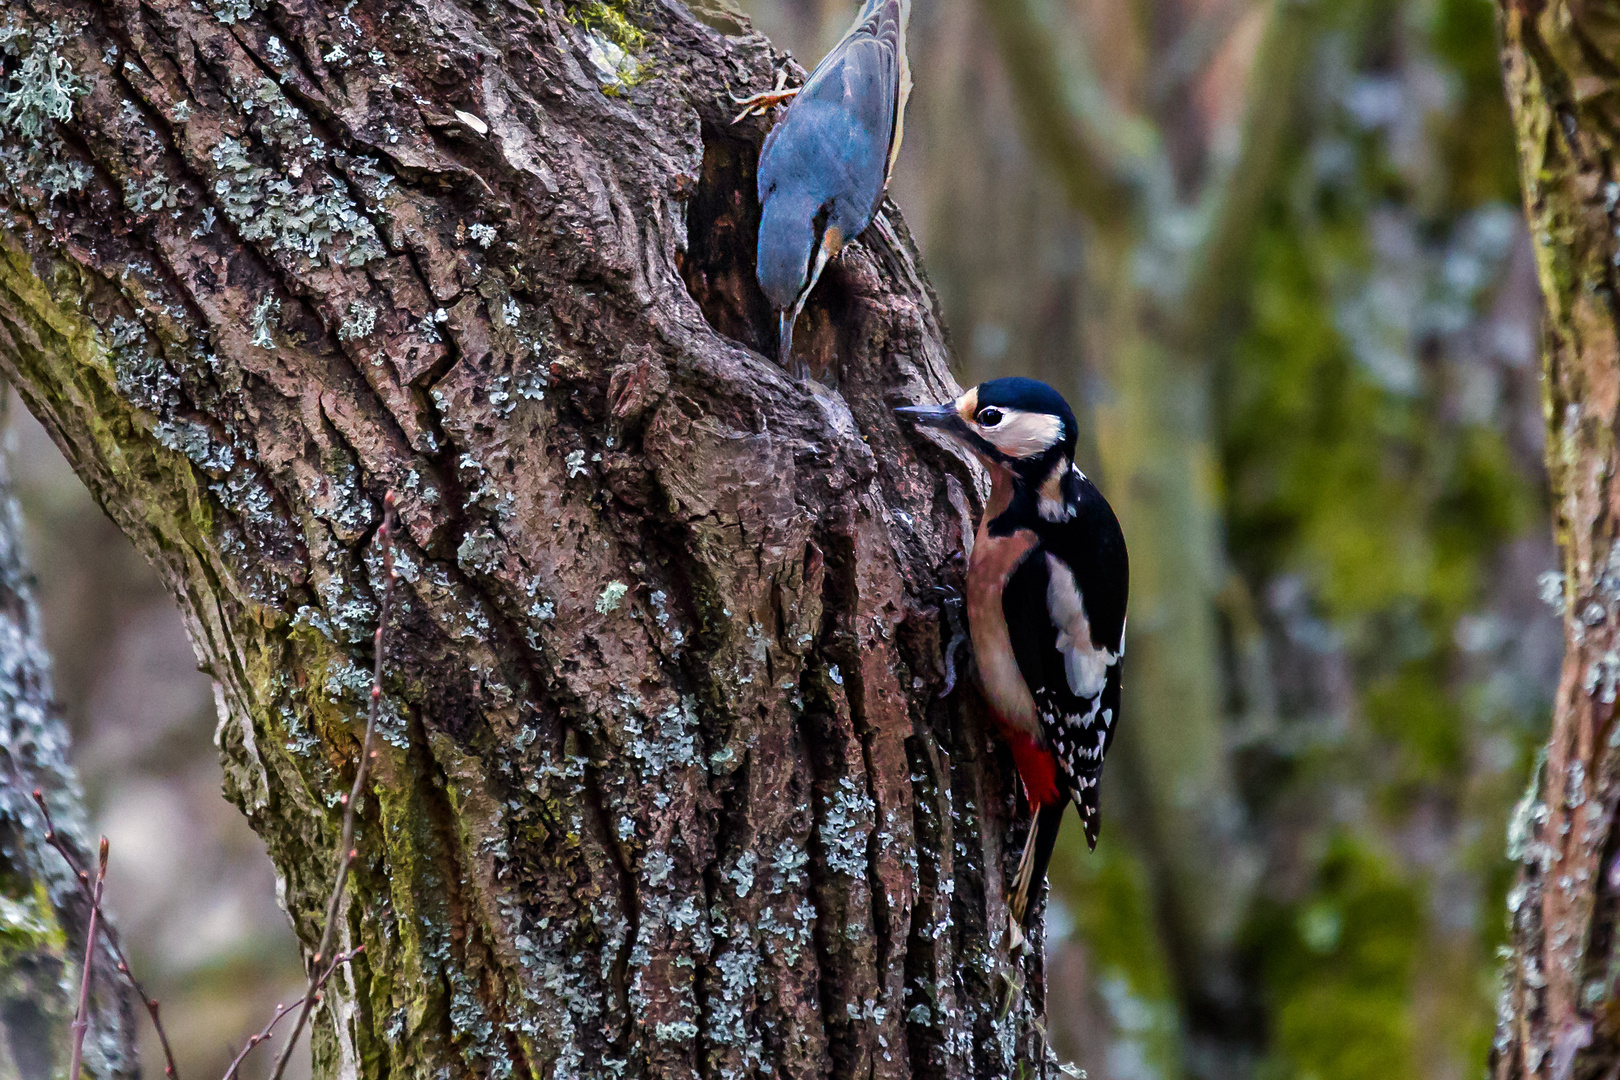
<point>944,417</point>
<point>784,335</point>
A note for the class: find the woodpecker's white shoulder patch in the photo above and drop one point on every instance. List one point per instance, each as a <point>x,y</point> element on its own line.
<point>1053,505</point>
<point>1085,664</point>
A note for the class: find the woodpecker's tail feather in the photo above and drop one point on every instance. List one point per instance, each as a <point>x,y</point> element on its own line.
<point>1090,808</point>
<point>1043,834</point>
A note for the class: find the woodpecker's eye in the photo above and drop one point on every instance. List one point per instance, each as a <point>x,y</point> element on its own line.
<point>989,417</point>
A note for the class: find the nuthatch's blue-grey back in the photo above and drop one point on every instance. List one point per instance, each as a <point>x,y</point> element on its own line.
<point>826,165</point>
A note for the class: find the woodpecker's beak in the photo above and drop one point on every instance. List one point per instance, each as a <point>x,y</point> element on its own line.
<point>944,417</point>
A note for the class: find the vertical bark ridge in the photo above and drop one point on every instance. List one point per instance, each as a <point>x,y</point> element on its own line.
<point>1557,1015</point>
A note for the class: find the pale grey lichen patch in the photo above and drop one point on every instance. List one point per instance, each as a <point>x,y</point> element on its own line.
<point>360,322</point>
<point>787,866</point>
<point>231,12</point>
<point>264,205</point>
<point>846,827</point>
<point>42,88</point>
<point>656,867</point>
<point>738,971</point>
<point>612,597</point>
<point>477,551</point>
<point>276,53</point>
<point>673,745</point>
<point>483,235</point>
<point>36,96</point>
<point>138,368</point>
<point>154,194</point>
<point>741,875</point>
<point>266,314</point>
<point>677,1031</point>
<point>197,443</point>
<point>790,939</point>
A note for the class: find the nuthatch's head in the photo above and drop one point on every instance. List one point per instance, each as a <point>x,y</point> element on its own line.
<point>1020,425</point>
<point>796,241</point>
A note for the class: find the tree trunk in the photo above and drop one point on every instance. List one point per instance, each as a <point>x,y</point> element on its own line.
<point>664,780</point>
<point>43,911</point>
<point>1560,1014</point>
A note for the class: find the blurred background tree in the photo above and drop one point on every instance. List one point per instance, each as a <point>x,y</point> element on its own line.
<point>1272,251</point>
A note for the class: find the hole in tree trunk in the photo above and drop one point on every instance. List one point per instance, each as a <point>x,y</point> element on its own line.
<point>722,227</point>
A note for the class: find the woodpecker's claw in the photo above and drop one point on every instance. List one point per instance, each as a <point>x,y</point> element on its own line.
<point>951,603</point>
<point>760,104</point>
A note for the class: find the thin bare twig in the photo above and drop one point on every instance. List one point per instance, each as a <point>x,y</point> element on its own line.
<point>54,838</point>
<point>346,850</point>
<point>282,1010</point>
<point>81,1015</point>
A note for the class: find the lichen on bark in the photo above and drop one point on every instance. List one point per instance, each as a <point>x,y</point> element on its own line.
<point>1556,1016</point>
<point>663,782</point>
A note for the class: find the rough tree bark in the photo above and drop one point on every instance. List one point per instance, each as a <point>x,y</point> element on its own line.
<point>43,912</point>
<point>1560,1012</point>
<point>665,786</point>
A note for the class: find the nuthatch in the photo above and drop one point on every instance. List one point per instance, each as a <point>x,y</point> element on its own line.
<point>1046,590</point>
<point>826,165</point>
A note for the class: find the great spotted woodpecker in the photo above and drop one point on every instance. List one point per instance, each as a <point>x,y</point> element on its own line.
<point>1046,591</point>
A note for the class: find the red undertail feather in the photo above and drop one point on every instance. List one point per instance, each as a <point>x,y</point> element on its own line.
<point>1037,768</point>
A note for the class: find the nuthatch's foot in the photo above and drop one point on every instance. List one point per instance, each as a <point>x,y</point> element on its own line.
<point>951,604</point>
<point>760,104</point>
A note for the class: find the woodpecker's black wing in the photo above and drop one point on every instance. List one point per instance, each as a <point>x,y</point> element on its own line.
<point>1065,612</point>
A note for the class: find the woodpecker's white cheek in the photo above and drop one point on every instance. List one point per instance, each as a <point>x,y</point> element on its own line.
<point>1024,434</point>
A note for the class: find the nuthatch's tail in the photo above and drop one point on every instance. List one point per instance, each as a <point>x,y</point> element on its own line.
<point>1043,834</point>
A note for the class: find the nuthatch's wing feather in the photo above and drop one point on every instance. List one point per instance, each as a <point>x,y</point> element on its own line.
<point>833,145</point>
<point>885,22</point>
